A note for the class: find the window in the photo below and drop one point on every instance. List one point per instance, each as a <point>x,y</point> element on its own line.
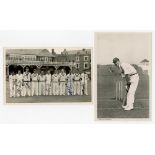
<point>77,58</point>
<point>86,65</point>
<point>77,65</point>
<point>86,58</point>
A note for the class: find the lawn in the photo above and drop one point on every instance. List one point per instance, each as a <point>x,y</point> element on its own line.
<point>108,107</point>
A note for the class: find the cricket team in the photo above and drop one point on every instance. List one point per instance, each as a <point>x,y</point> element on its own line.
<point>60,83</point>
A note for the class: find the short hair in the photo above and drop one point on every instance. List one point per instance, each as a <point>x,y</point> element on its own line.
<point>115,60</point>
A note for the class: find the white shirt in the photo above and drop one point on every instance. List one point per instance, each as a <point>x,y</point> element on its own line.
<point>42,78</point>
<point>48,78</point>
<point>12,78</point>
<point>84,77</point>
<point>70,77</point>
<point>19,77</point>
<point>63,77</point>
<point>127,68</point>
<point>76,77</point>
<point>55,78</point>
<point>34,77</point>
<point>26,76</point>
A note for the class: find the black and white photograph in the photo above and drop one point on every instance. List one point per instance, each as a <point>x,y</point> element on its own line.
<point>40,75</point>
<point>123,74</point>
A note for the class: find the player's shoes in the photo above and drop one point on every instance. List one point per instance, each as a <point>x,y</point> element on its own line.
<point>128,108</point>
<point>124,106</point>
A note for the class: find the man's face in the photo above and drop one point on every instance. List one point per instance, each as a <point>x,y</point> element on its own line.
<point>27,69</point>
<point>19,72</point>
<point>35,71</point>
<point>48,71</point>
<point>42,72</point>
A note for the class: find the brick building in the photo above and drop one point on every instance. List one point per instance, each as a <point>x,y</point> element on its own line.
<point>43,59</point>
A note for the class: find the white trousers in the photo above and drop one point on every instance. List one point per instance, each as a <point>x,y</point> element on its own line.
<point>12,89</point>
<point>132,90</point>
<point>62,88</point>
<point>27,89</point>
<point>55,88</point>
<point>77,89</point>
<point>41,88</point>
<point>84,88</point>
<point>34,88</point>
<point>48,89</point>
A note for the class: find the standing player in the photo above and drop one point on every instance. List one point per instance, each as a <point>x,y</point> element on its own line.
<point>70,78</point>
<point>42,79</point>
<point>48,86</point>
<point>84,83</point>
<point>55,82</point>
<point>12,84</point>
<point>27,82</point>
<point>35,79</point>
<point>63,78</point>
<point>19,83</point>
<point>132,79</point>
<point>77,83</point>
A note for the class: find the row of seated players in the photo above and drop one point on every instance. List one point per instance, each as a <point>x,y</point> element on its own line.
<point>35,84</point>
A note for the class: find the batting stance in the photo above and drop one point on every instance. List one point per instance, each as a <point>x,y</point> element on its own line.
<point>27,82</point>
<point>132,79</point>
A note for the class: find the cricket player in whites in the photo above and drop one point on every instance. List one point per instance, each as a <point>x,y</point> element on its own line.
<point>70,78</point>
<point>42,80</point>
<point>48,86</point>
<point>55,82</point>
<point>62,79</point>
<point>12,84</point>
<point>35,79</point>
<point>27,82</point>
<point>84,83</point>
<point>77,89</point>
<point>132,79</point>
<point>19,83</point>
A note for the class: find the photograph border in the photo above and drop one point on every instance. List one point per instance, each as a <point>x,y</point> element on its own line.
<point>47,103</point>
<point>107,120</point>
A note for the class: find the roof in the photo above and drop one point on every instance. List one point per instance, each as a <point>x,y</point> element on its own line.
<point>38,52</point>
<point>81,52</point>
<point>145,60</point>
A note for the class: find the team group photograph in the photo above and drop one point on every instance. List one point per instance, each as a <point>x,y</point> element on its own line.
<point>48,75</point>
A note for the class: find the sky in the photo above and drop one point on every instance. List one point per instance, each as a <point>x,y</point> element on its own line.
<point>58,50</point>
<point>128,47</point>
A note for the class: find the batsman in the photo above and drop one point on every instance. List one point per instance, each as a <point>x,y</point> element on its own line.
<point>132,79</point>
